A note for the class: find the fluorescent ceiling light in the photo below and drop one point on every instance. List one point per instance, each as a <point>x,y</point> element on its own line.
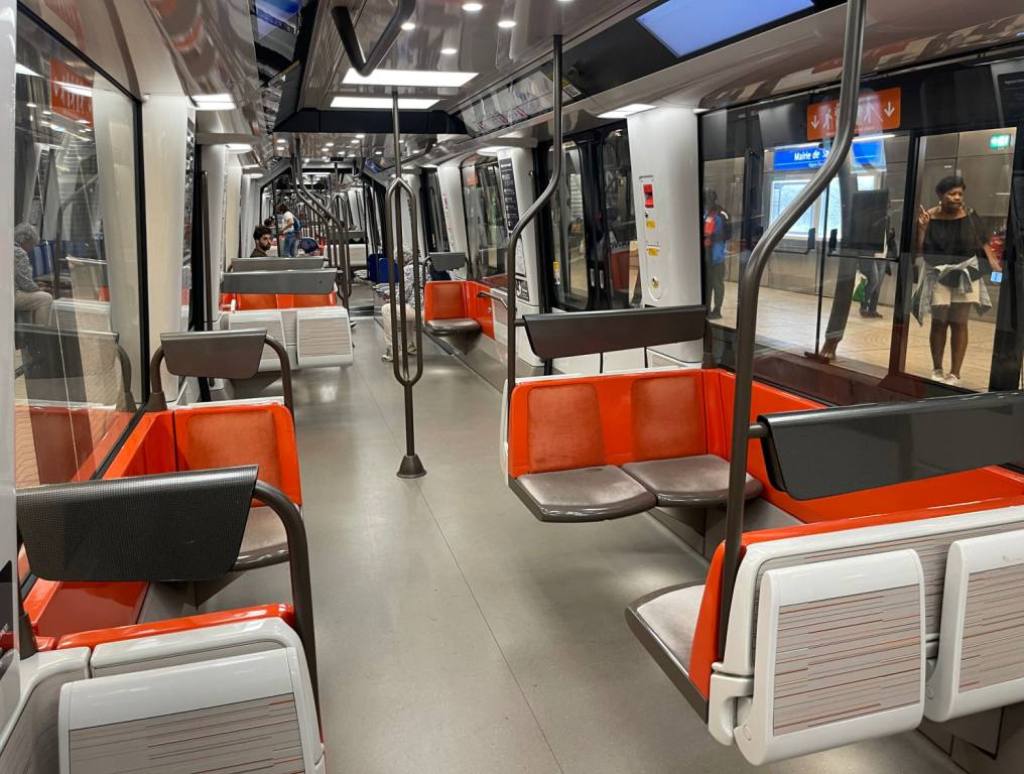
<point>30,104</point>
<point>873,137</point>
<point>627,110</point>
<point>426,78</point>
<point>408,26</point>
<point>238,147</point>
<point>490,150</point>
<point>214,102</point>
<point>355,142</point>
<point>328,144</point>
<point>382,103</point>
<point>449,51</point>
<point>360,136</point>
<point>473,7</point>
<point>20,69</point>
<point>506,24</point>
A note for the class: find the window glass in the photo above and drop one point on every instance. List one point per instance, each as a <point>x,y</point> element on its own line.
<point>828,290</point>
<point>569,235</point>
<point>485,218</point>
<point>78,348</point>
<point>962,202</point>
<point>623,256</point>
<point>438,233</point>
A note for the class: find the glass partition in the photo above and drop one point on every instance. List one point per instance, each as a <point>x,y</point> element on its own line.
<point>79,353</point>
<point>485,218</point>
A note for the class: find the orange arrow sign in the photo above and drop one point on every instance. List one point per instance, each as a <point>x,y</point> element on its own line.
<point>877,111</point>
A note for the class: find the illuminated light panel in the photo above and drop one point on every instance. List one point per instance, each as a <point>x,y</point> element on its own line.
<point>473,7</point>
<point>238,147</point>
<point>214,102</point>
<point>627,111</point>
<point>382,103</point>
<point>421,78</point>
<point>507,24</point>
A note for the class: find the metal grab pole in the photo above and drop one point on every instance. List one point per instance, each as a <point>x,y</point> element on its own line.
<point>308,199</point>
<point>530,214</point>
<point>411,466</point>
<point>749,288</point>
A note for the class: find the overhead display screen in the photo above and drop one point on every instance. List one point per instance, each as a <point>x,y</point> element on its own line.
<point>688,26</point>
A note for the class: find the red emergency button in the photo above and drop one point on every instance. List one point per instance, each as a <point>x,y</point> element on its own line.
<point>648,195</point>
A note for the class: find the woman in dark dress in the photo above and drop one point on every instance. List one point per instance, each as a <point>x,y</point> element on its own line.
<point>951,238</point>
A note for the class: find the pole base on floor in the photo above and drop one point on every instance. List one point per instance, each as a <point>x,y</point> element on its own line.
<point>411,467</point>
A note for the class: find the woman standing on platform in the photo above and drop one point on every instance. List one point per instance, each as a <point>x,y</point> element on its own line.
<point>951,238</point>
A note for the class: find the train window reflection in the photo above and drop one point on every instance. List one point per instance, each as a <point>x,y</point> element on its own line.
<point>485,218</point>
<point>570,238</point>
<point>78,349</point>
<point>962,201</point>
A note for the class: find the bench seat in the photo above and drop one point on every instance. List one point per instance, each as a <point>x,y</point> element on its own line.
<point>700,481</point>
<point>584,494</point>
<point>455,325</point>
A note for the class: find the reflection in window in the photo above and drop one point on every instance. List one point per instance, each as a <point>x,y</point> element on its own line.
<point>78,349</point>
<point>485,218</point>
<point>570,238</point>
<point>962,203</point>
<point>623,256</point>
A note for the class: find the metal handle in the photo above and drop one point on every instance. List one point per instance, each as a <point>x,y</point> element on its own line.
<point>530,214</point>
<point>493,296</point>
<point>749,288</point>
<point>364,65</point>
<point>298,570</point>
<point>309,200</point>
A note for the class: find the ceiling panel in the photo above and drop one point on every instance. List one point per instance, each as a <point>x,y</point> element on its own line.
<point>481,46</point>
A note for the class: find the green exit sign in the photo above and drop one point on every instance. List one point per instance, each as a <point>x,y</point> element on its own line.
<point>999,141</point>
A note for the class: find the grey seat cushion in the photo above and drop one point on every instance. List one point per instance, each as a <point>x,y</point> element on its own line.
<point>701,480</point>
<point>454,325</point>
<point>670,619</point>
<point>584,494</point>
<point>264,541</point>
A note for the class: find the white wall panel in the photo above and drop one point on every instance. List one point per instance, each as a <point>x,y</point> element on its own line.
<point>165,134</point>
<point>663,149</point>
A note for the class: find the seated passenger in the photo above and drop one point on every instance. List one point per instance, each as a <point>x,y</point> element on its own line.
<point>264,239</point>
<point>29,297</point>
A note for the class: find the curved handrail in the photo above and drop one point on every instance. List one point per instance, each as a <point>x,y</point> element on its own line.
<point>749,289</point>
<point>362,64</point>
<point>530,214</point>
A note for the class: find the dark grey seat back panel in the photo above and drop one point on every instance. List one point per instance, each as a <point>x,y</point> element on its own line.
<point>589,333</point>
<point>277,264</point>
<point>832,451</point>
<point>297,281</point>
<point>172,527</point>
<point>231,354</point>
<point>447,261</point>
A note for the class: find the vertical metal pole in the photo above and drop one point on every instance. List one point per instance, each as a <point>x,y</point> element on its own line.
<point>530,214</point>
<point>411,466</point>
<point>749,288</point>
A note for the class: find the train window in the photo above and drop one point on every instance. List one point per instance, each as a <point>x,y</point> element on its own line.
<point>570,238</point>
<point>623,256</point>
<point>437,233</point>
<point>78,348</point>
<point>962,205</point>
<point>485,218</point>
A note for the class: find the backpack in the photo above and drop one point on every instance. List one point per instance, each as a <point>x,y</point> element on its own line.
<point>298,226</point>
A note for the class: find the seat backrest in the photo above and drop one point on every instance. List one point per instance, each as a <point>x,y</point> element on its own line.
<point>980,663</point>
<point>840,656</point>
<point>443,300</point>
<point>249,301</point>
<point>564,428</point>
<point>668,417</point>
<point>211,436</point>
<point>929,538</point>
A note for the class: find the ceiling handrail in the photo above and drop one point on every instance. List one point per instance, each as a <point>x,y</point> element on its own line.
<point>362,64</point>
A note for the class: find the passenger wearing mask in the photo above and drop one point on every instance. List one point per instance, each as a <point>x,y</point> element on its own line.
<point>29,297</point>
<point>951,239</point>
<point>264,239</point>
<point>289,230</point>
<point>717,233</point>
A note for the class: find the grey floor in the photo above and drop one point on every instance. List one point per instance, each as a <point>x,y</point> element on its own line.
<point>457,634</point>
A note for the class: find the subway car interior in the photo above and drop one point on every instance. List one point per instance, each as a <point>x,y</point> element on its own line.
<point>590,386</point>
